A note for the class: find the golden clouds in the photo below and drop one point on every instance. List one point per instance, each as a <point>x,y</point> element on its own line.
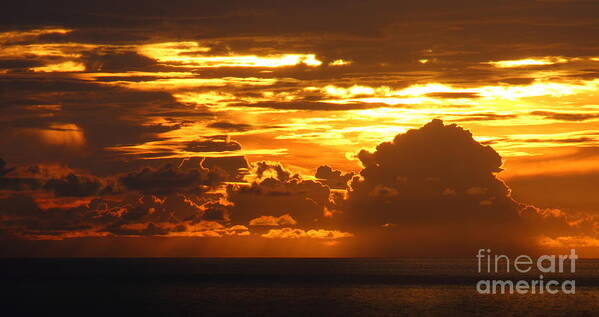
<point>171,51</point>
<point>208,229</point>
<point>60,67</point>
<point>254,82</point>
<point>191,54</point>
<point>284,220</point>
<point>528,62</point>
<point>339,62</point>
<point>291,233</point>
<point>14,36</point>
<point>438,93</point>
<point>539,61</point>
<point>67,50</point>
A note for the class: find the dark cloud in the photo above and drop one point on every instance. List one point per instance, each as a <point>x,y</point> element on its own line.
<point>77,186</point>
<point>119,62</point>
<point>213,144</point>
<point>277,192</point>
<point>565,116</point>
<point>18,64</point>
<point>230,126</point>
<point>428,161</point>
<point>216,211</point>
<point>280,172</point>
<point>23,218</point>
<point>94,36</point>
<point>170,179</point>
<point>564,140</point>
<point>236,167</point>
<point>17,182</point>
<point>486,117</point>
<point>146,215</point>
<point>333,178</point>
<point>436,187</point>
<point>3,169</point>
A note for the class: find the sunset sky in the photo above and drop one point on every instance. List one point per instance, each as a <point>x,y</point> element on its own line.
<point>279,128</point>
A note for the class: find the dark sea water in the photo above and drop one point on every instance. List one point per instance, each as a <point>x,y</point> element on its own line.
<point>277,287</point>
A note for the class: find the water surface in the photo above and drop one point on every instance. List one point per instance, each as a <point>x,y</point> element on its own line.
<point>258,287</point>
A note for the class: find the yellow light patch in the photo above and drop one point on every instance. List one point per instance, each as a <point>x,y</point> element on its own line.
<point>60,67</point>
<point>69,50</point>
<point>339,62</point>
<point>63,134</point>
<point>22,35</point>
<point>191,54</point>
<point>529,62</point>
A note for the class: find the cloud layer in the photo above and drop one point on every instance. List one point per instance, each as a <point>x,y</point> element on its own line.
<point>430,191</point>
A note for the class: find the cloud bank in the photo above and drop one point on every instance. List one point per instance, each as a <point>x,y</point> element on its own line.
<point>430,191</point>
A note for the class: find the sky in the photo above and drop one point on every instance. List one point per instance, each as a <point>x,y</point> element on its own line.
<point>307,128</point>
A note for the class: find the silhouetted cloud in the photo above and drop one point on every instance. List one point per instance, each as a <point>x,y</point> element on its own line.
<point>333,178</point>
<point>212,144</point>
<point>485,117</point>
<point>564,116</point>
<point>230,126</point>
<point>169,179</point>
<point>3,169</point>
<point>271,221</point>
<point>277,192</point>
<point>291,233</point>
<point>436,188</point>
<point>16,183</point>
<point>77,186</point>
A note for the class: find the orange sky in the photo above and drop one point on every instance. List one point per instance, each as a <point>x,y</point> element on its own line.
<point>203,126</point>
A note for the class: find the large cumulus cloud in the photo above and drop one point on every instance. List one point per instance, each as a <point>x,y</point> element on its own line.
<point>437,170</point>
<point>434,190</point>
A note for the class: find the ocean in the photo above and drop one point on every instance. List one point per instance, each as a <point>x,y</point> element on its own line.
<point>278,287</point>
